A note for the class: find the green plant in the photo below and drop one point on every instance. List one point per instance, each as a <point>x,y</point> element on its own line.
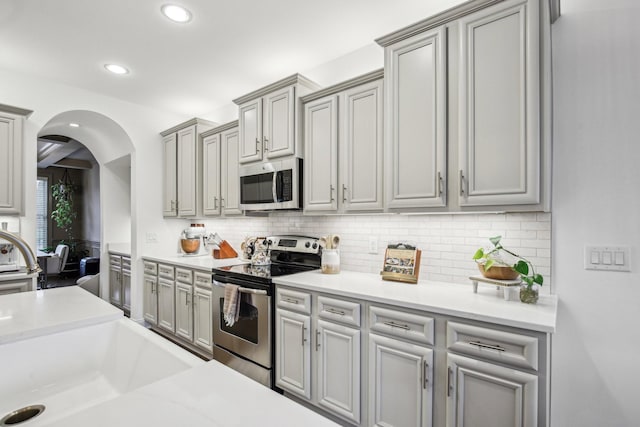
<point>64,212</point>
<point>493,257</point>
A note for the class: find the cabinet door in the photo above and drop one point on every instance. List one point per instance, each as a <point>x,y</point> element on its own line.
<point>250,123</point>
<point>321,155</point>
<point>482,394</point>
<point>338,350</point>
<point>126,290</point>
<point>184,311</point>
<point>187,171</point>
<point>166,305</point>
<point>14,286</point>
<point>499,110</point>
<point>170,177</point>
<point>150,302</point>
<point>115,286</point>
<point>293,355</point>
<point>211,175</point>
<point>361,148</point>
<point>10,163</point>
<point>416,121</point>
<point>203,318</point>
<point>400,383</point>
<point>279,125</point>
<point>230,173</point>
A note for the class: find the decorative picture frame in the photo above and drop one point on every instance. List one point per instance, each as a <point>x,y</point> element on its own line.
<point>401,263</point>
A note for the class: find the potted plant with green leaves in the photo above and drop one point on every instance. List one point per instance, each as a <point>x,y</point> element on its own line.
<point>494,259</point>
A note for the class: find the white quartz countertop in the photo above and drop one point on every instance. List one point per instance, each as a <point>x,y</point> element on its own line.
<point>119,248</point>
<point>207,395</point>
<point>438,297</point>
<point>200,262</point>
<point>30,314</point>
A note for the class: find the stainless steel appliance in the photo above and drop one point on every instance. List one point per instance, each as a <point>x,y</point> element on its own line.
<point>270,186</point>
<point>248,345</point>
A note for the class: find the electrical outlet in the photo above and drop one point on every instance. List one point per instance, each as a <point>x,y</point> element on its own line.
<point>152,238</point>
<point>373,245</point>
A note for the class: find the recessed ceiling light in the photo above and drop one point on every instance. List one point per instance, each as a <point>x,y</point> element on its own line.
<point>116,69</point>
<point>176,13</point>
<point>74,125</point>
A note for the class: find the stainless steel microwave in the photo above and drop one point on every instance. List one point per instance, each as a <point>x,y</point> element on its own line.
<point>271,185</point>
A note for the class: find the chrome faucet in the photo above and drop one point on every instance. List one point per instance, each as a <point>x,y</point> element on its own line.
<point>25,250</point>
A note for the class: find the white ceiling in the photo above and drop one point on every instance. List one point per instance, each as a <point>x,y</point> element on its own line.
<point>230,48</point>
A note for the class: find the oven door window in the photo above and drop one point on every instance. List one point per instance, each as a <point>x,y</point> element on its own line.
<point>256,188</point>
<point>246,327</point>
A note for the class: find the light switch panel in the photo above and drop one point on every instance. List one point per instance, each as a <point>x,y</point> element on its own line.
<point>610,258</point>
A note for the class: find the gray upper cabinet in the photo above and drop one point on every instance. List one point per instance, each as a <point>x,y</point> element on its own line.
<point>499,105</point>
<point>268,120</point>
<point>11,127</point>
<point>467,109</point>
<point>182,163</point>
<point>220,175</point>
<point>415,115</point>
<point>343,142</point>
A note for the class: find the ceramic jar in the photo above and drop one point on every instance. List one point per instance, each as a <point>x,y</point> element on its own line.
<point>529,294</point>
<point>330,262</point>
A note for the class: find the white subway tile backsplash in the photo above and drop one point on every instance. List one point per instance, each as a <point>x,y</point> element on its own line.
<point>448,242</point>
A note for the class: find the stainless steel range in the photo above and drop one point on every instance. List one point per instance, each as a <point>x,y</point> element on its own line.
<point>248,345</point>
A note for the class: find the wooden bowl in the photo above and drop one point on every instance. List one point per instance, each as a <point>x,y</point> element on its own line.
<point>190,245</point>
<point>499,272</point>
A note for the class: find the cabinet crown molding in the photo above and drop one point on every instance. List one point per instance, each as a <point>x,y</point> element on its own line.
<point>15,110</point>
<point>442,18</point>
<point>195,121</point>
<point>219,129</point>
<point>347,84</point>
<point>280,84</point>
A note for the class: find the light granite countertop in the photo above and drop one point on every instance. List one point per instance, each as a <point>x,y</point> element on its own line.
<point>437,297</point>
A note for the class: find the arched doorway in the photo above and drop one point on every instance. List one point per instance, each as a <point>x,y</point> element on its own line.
<point>112,149</point>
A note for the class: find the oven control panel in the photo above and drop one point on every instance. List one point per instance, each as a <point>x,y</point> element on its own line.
<point>294,244</point>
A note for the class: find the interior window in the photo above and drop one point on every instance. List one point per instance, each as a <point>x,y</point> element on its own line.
<point>42,212</point>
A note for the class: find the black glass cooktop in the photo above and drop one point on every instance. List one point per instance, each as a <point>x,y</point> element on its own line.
<point>260,271</point>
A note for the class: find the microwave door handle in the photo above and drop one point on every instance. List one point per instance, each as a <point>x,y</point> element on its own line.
<point>274,186</point>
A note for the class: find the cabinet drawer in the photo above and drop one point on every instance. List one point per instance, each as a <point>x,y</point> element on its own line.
<point>336,310</point>
<point>506,347</point>
<point>126,263</point>
<point>166,271</point>
<point>184,276</point>
<point>400,324</point>
<point>150,268</point>
<point>115,261</point>
<point>203,280</point>
<point>294,300</point>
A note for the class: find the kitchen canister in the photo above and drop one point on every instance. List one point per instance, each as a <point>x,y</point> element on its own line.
<point>330,262</point>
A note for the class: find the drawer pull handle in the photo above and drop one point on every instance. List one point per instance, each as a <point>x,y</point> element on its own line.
<point>398,325</point>
<point>317,339</point>
<point>489,346</point>
<point>449,385</point>
<point>291,300</point>
<point>334,311</point>
<point>304,338</point>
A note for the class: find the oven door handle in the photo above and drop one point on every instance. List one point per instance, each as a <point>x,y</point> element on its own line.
<point>243,290</point>
<point>274,186</point>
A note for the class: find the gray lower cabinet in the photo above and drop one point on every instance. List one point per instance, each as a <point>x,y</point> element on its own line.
<point>318,352</point>
<point>178,303</point>
<point>120,281</point>
<point>374,364</point>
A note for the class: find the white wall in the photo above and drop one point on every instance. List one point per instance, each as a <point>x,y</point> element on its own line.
<point>596,200</point>
<point>91,203</point>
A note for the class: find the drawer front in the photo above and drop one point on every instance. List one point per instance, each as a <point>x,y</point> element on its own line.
<point>166,271</point>
<point>126,263</point>
<point>294,300</point>
<point>506,347</point>
<point>150,268</point>
<point>203,280</point>
<point>184,276</point>
<point>400,324</point>
<point>115,261</point>
<point>336,310</point>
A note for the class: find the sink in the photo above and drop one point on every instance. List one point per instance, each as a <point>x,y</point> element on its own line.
<point>72,370</point>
